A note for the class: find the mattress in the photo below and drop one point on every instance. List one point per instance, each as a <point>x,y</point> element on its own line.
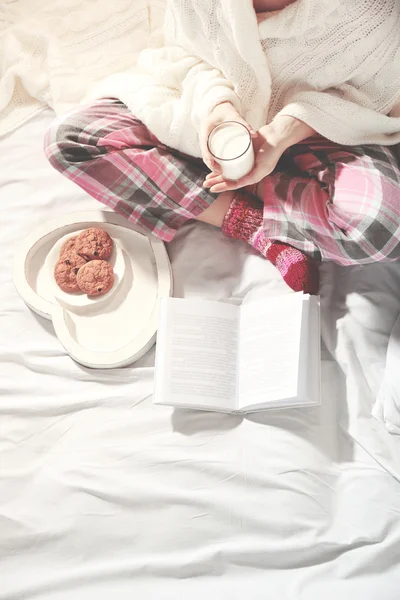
<point>103,494</point>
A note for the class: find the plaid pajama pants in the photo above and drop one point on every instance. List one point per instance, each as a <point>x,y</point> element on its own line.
<point>333,202</point>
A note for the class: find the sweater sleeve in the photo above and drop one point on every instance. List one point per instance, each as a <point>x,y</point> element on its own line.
<point>342,120</point>
<point>205,87</point>
<point>171,92</point>
<point>395,112</point>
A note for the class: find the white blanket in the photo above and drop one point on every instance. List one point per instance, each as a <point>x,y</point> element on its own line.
<point>53,51</point>
<point>387,406</point>
<point>103,495</point>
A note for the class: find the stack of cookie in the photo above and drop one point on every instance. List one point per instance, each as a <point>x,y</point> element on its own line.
<point>83,266</point>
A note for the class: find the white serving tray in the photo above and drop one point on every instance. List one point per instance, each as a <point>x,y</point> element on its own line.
<point>114,330</point>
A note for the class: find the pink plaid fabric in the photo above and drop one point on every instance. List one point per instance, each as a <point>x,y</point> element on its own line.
<point>332,202</point>
<point>336,203</point>
<point>110,154</point>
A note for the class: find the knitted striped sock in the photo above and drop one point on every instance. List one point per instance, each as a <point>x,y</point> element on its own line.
<point>244,221</point>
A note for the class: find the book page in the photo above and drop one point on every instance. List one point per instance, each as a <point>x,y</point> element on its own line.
<point>196,363</point>
<point>269,350</point>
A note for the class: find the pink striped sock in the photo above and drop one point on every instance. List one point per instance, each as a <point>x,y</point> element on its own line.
<point>244,221</point>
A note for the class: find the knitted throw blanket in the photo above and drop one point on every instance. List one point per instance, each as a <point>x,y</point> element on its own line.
<point>52,52</point>
<point>331,63</point>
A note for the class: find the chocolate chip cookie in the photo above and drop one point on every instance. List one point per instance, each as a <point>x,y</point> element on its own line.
<point>95,278</point>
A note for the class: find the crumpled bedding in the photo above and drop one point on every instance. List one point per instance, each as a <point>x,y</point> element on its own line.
<point>104,495</point>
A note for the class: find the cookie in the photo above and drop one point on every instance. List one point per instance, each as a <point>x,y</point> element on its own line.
<point>68,246</point>
<point>66,271</point>
<point>94,244</point>
<point>96,277</point>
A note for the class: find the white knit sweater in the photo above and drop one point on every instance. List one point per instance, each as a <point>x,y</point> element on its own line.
<point>335,64</point>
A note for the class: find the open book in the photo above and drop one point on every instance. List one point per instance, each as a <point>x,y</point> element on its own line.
<point>222,357</point>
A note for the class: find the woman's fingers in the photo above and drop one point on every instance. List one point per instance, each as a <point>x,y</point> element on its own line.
<point>217,184</point>
<point>208,158</point>
<point>214,166</point>
<point>252,132</point>
<point>226,186</point>
<point>212,179</point>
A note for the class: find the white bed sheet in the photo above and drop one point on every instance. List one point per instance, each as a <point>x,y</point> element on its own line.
<point>104,495</point>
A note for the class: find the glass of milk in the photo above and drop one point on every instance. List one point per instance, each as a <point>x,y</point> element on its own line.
<point>231,145</point>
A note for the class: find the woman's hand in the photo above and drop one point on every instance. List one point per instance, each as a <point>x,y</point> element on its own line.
<point>222,112</point>
<point>269,145</point>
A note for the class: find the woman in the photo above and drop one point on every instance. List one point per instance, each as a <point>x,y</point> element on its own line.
<point>317,83</point>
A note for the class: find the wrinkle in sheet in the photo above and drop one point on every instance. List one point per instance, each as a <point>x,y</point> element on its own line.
<point>123,499</point>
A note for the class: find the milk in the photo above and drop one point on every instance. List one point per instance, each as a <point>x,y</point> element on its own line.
<point>230,144</point>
